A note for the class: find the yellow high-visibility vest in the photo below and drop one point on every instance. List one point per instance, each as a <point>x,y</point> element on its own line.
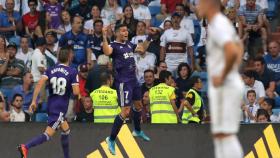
<point>105,104</point>
<point>187,115</point>
<point>160,105</point>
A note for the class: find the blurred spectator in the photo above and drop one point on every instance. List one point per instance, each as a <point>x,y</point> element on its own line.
<point>2,102</point>
<point>31,20</point>
<point>251,83</point>
<point>83,74</point>
<point>11,71</point>
<point>96,40</point>
<point>149,78</point>
<point>154,45</point>
<point>93,81</point>
<point>262,116</point>
<point>272,59</point>
<point>51,48</point>
<point>167,25</point>
<point>10,20</point>
<point>83,10</point>
<point>111,11</point>
<point>163,14</point>
<point>24,53</point>
<point>89,24</point>
<point>250,109</point>
<point>262,3</point>
<point>140,33</point>
<point>146,114</point>
<point>39,60</point>
<point>266,76</point>
<point>251,24</point>
<point>161,67</point>
<point>231,13</point>
<point>185,21</point>
<point>143,61</point>
<point>129,20</point>
<point>79,41</point>
<point>231,4</point>
<point>141,12</point>
<point>16,113</point>
<point>53,11</point>
<point>176,47</point>
<point>26,90</point>
<point>268,105</point>
<point>184,73</point>
<point>65,25</point>
<point>168,7</point>
<point>3,5</point>
<point>86,114</point>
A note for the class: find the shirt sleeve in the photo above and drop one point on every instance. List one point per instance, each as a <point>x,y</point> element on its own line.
<point>75,78</point>
<point>148,14</point>
<point>261,90</point>
<point>219,36</point>
<point>163,40</point>
<point>190,97</point>
<point>172,95</point>
<point>189,40</point>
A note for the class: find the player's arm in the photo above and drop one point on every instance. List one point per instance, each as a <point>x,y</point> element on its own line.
<point>36,92</point>
<point>105,46</point>
<point>76,89</point>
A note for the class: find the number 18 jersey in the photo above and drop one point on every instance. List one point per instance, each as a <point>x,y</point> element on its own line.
<point>60,81</point>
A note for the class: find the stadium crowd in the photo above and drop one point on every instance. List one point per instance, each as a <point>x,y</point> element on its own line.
<point>33,31</point>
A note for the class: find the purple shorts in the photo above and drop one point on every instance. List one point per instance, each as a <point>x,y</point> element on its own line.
<point>128,92</point>
<point>55,120</point>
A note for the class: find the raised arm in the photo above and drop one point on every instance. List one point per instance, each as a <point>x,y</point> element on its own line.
<point>106,48</point>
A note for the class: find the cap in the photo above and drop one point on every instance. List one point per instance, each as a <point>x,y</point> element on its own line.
<point>176,14</point>
<point>12,45</point>
<point>40,41</point>
<point>83,68</point>
<point>52,33</point>
<point>103,60</point>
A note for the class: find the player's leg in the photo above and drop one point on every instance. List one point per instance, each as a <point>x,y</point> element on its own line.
<point>64,138</point>
<point>137,111</point>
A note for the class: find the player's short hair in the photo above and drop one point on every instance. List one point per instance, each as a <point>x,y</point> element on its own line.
<point>251,91</point>
<point>97,21</point>
<point>149,70</point>
<point>193,80</point>
<point>250,74</point>
<point>105,76</point>
<point>117,27</point>
<point>35,1</point>
<point>164,75</point>
<point>180,67</point>
<point>63,54</point>
<point>15,96</point>
<point>259,59</point>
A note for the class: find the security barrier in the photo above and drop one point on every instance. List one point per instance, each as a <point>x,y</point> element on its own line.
<point>167,141</point>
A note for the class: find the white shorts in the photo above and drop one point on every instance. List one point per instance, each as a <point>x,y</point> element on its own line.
<point>225,107</point>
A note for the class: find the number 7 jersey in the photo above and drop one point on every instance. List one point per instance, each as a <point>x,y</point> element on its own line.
<point>60,81</point>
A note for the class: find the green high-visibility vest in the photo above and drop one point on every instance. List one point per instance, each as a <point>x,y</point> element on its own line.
<point>105,104</point>
<point>187,115</point>
<point>160,105</point>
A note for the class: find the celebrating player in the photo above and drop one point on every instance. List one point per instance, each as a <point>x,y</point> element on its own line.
<point>126,83</point>
<point>62,80</point>
<point>224,54</point>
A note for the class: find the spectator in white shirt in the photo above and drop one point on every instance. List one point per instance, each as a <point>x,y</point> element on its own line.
<point>252,84</point>
<point>16,113</point>
<point>111,11</point>
<point>250,110</point>
<point>141,12</point>
<point>24,52</point>
<point>143,61</point>
<point>140,33</point>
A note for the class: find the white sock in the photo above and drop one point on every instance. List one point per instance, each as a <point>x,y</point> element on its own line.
<point>228,147</point>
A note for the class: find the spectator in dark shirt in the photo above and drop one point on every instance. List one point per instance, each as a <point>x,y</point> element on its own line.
<point>272,59</point>
<point>149,77</point>
<point>83,10</point>
<point>96,40</point>
<point>265,75</point>
<point>86,115</point>
<point>184,73</point>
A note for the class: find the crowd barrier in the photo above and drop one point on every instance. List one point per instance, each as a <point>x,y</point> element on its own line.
<point>167,141</point>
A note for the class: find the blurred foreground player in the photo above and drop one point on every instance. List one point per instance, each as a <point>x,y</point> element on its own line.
<point>224,54</point>
<point>128,89</point>
<point>62,80</point>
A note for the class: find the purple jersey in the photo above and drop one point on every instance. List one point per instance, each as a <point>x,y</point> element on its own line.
<point>123,61</point>
<point>60,81</point>
<point>54,11</point>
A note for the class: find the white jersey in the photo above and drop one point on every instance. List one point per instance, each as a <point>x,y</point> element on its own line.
<point>142,13</point>
<point>38,60</point>
<point>225,101</point>
<point>179,38</point>
<point>186,23</point>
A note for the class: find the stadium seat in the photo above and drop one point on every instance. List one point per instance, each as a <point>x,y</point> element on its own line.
<point>154,10</point>
<point>277,102</point>
<point>41,117</point>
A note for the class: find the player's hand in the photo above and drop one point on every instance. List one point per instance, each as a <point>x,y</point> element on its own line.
<point>217,81</point>
<point>32,107</point>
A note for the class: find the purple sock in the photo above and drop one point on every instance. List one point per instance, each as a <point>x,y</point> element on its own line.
<point>37,140</point>
<point>116,127</point>
<point>65,144</point>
